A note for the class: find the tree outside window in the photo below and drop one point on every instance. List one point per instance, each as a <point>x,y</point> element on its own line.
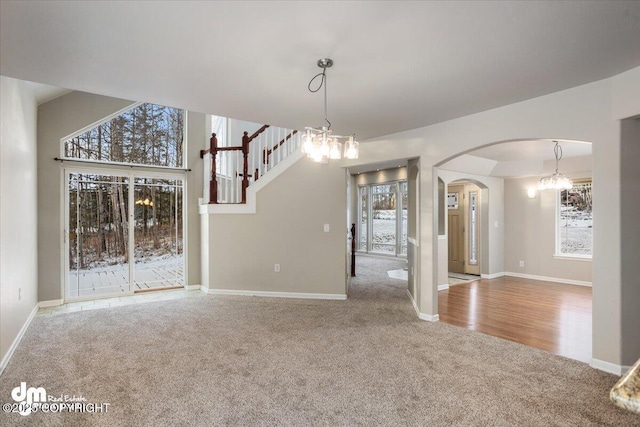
<point>575,221</point>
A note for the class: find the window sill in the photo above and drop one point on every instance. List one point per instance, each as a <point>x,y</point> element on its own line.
<point>566,257</point>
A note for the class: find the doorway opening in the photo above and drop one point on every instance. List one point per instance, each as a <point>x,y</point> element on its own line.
<point>463,202</point>
<point>124,233</point>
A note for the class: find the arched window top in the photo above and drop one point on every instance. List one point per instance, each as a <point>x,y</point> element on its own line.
<point>146,135</point>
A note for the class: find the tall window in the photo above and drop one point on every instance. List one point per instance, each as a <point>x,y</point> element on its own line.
<point>575,221</point>
<point>149,135</point>
<point>382,211</point>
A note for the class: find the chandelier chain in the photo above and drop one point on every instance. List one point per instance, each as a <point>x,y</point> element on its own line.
<point>557,150</point>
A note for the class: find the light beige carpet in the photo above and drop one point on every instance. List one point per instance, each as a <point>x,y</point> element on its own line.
<point>261,361</point>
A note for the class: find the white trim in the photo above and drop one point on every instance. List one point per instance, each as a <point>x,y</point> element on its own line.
<point>50,303</point>
<point>423,316</point>
<point>492,276</point>
<point>191,287</point>
<point>250,206</point>
<point>566,257</point>
<point>430,317</point>
<point>611,368</point>
<point>16,341</point>
<point>413,241</point>
<point>442,237</point>
<point>271,294</point>
<point>548,279</point>
<point>443,287</point>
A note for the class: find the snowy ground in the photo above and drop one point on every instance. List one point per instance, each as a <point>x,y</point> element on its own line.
<point>149,272</point>
<point>576,231</point>
<point>384,232</point>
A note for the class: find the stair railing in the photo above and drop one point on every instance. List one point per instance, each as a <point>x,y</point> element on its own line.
<point>227,169</point>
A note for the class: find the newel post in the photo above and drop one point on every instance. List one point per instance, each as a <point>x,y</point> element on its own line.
<point>245,166</point>
<point>213,181</point>
<point>353,250</point>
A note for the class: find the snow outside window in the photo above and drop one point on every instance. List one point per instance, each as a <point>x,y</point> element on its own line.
<point>574,236</point>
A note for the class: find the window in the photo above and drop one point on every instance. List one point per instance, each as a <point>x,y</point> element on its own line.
<point>382,212</point>
<point>147,135</point>
<point>574,235</point>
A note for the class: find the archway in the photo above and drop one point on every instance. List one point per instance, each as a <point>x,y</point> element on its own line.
<point>527,226</point>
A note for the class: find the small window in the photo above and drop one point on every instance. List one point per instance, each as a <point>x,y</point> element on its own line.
<point>148,135</point>
<point>574,235</point>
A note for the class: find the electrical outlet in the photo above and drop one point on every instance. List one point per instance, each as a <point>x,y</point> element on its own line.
<point>326,228</point>
<point>19,294</point>
<point>521,263</point>
<point>276,268</point>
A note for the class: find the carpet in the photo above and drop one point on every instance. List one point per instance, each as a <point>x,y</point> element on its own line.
<point>229,360</point>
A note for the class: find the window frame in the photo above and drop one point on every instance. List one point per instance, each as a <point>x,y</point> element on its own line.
<point>558,254</point>
<point>63,140</point>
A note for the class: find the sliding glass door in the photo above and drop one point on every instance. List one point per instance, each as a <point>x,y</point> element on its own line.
<point>124,233</point>
<point>158,250</point>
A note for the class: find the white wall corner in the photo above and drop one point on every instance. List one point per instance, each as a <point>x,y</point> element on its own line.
<point>443,287</point>
<point>611,368</point>
<point>430,317</point>
<point>422,316</point>
<point>50,303</point>
<point>16,341</point>
<point>493,276</point>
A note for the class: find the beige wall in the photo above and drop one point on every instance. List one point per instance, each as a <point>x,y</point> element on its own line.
<point>287,230</point>
<point>60,118</point>
<point>18,211</point>
<point>630,201</point>
<point>530,229</point>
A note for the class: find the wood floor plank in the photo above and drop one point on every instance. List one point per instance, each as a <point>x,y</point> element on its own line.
<point>550,316</point>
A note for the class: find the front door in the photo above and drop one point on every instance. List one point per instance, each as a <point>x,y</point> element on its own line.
<point>455,209</point>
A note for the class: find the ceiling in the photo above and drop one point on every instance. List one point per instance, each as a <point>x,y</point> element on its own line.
<point>540,149</point>
<point>398,65</point>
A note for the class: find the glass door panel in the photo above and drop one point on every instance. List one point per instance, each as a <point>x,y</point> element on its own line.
<point>158,249</point>
<point>404,209</point>
<point>383,224</point>
<point>364,215</point>
<point>98,235</point>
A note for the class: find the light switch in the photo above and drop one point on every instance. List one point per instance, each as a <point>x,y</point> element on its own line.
<point>326,228</point>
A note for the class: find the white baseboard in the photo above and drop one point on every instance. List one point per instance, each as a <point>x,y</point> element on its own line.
<point>443,287</point>
<point>191,287</point>
<point>16,341</point>
<point>270,294</point>
<point>548,279</point>
<point>611,368</point>
<point>492,276</point>
<point>422,316</point>
<point>50,303</point>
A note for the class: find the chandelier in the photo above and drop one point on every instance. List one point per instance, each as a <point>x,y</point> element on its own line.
<point>557,181</point>
<point>320,144</point>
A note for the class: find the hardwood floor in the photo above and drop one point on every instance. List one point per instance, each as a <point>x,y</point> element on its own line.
<point>549,316</point>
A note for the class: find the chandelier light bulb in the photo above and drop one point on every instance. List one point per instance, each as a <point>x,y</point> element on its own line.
<point>307,143</point>
<point>351,149</point>
<point>335,152</point>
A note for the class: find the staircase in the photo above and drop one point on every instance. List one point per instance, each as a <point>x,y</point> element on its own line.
<point>230,171</point>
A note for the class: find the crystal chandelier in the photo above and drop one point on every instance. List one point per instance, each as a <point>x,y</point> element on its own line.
<point>320,144</point>
<point>557,181</point>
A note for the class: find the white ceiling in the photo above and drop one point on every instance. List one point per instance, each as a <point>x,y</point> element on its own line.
<point>398,65</point>
<point>541,149</point>
<point>45,93</point>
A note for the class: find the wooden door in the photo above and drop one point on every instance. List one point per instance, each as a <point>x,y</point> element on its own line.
<point>455,214</point>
